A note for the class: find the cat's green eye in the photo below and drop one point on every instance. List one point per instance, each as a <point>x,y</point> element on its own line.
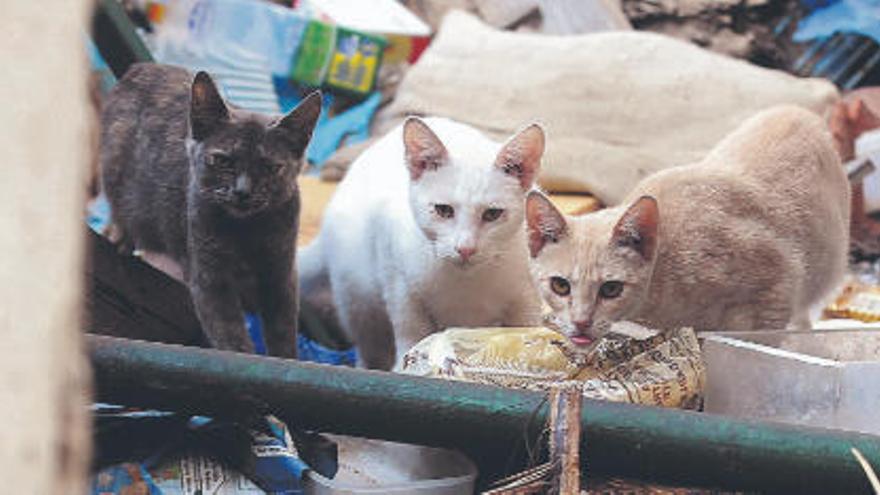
<point>444,211</point>
<point>610,289</point>
<point>492,214</point>
<point>560,286</point>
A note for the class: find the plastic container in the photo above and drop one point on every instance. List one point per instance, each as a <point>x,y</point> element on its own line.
<point>229,28</point>
<point>826,378</point>
<point>374,467</point>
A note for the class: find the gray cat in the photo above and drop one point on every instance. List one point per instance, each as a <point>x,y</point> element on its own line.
<point>214,188</point>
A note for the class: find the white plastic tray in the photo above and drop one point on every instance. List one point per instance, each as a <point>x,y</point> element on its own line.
<point>373,467</point>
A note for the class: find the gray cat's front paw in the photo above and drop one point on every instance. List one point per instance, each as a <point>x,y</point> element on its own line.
<point>232,339</point>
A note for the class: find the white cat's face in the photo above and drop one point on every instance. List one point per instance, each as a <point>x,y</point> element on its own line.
<point>468,214</point>
<point>470,202</point>
<point>593,270</point>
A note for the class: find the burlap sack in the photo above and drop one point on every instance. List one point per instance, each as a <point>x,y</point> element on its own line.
<point>617,106</point>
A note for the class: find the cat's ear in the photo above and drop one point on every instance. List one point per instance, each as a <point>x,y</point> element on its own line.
<point>207,109</point>
<point>423,148</point>
<point>855,109</point>
<point>637,228</point>
<point>861,116</point>
<point>300,122</point>
<point>544,222</point>
<point>520,157</point>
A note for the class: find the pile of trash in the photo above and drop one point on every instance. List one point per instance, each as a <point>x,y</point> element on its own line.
<point>625,101</point>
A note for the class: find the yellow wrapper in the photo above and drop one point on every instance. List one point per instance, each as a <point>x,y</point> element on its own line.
<point>856,302</point>
<point>664,370</point>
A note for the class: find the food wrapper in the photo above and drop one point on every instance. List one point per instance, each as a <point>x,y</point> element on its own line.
<point>858,302</point>
<point>663,370</point>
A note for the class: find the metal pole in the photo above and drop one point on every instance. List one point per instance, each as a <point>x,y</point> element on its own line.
<point>115,37</point>
<point>649,444</point>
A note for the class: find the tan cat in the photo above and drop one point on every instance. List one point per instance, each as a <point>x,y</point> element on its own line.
<point>749,238</point>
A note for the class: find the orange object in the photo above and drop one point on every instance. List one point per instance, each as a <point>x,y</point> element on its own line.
<point>156,12</point>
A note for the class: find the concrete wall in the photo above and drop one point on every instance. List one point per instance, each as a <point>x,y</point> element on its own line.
<point>43,149</point>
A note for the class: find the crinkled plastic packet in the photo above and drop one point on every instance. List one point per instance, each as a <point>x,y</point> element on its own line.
<point>663,370</point>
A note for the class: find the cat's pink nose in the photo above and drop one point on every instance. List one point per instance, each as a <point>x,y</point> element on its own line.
<point>582,326</point>
<point>466,252</point>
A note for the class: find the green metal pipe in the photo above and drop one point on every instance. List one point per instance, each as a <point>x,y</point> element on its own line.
<point>489,423</point>
<point>116,38</point>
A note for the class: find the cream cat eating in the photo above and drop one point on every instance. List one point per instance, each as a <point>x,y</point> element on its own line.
<point>747,239</point>
<point>426,231</point>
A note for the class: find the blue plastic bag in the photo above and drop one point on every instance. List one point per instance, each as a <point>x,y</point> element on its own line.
<point>857,16</point>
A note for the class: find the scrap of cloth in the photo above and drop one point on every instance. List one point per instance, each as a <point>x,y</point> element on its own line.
<point>617,105</point>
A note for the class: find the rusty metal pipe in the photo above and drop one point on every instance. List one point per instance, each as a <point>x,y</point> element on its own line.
<point>645,443</point>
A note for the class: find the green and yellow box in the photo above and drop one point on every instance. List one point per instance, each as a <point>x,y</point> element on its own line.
<point>338,58</point>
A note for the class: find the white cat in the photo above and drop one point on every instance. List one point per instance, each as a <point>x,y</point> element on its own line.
<point>426,231</point>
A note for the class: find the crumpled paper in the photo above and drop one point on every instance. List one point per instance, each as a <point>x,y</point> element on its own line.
<point>663,370</point>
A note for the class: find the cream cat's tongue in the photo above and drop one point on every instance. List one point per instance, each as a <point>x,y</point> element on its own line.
<point>581,340</point>
<point>624,328</point>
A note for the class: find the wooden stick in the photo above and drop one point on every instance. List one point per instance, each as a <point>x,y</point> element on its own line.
<point>869,471</point>
<point>525,483</point>
<point>565,435</point>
